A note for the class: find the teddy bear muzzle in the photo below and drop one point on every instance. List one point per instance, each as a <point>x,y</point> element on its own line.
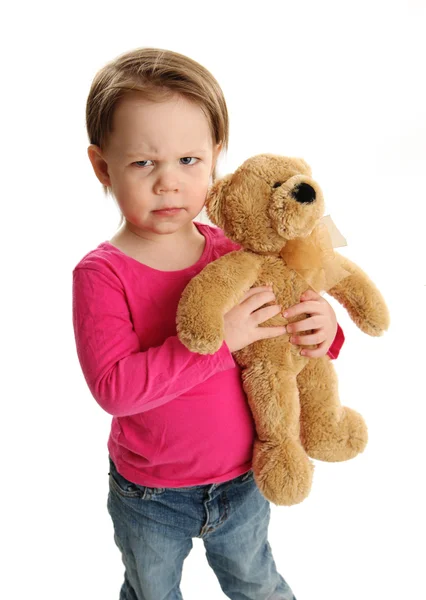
<point>295,207</point>
<point>304,193</point>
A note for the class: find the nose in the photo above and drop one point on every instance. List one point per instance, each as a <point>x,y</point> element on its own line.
<point>167,181</point>
<point>304,193</point>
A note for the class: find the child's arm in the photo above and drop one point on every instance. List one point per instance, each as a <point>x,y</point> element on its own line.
<point>122,379</point>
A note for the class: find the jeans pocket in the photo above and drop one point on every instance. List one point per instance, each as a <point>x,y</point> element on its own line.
<point>124,488</point>
<point>247,476</point>
<point>127,489</point>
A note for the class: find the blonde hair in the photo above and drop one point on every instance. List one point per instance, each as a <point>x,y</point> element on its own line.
<point>156,73</point>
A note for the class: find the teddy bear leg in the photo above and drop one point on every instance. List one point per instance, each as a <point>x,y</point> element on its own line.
<point>282,470</point>
<point>328,430</point>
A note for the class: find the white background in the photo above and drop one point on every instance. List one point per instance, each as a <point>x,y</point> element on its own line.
<point>339,84</point>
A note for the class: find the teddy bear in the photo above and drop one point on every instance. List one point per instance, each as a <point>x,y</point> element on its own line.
<point>273,210</point>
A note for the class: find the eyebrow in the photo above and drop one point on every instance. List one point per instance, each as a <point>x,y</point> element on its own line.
<point>146,152</point>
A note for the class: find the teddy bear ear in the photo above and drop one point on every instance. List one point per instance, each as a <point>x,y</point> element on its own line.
<point>214,206</point>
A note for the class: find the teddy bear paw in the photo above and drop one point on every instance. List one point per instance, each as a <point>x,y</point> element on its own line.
<point>283,471</point>
<point>337,441</point>
<point>203,344</point>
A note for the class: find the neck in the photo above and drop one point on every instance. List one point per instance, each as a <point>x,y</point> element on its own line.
<point>185,234</point>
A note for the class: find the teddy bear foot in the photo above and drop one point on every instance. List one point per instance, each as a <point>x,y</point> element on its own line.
<point>283,472</point>
<point>336,441</point>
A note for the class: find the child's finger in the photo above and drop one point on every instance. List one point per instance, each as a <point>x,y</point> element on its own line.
<point>310,295</point>
<point>256,290</point>
<point>310,306</point>
<point>309,323</point>
<point>317,352</point>
<point>308,340</point>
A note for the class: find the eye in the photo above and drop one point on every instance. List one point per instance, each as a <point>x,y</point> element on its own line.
<point>277,184</point>
<point>189,158</point>
<point>141,161</point>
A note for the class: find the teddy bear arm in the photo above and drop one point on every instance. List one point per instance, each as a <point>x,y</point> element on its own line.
<point>210,295</point>
<point>361,298</point>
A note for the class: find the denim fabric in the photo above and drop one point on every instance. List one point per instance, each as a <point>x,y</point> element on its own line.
<point>154,527</point>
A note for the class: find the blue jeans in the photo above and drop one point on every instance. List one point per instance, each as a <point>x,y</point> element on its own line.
<point>154,527</point>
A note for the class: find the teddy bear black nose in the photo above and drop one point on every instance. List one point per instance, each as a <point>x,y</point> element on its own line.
<point>304,193</point>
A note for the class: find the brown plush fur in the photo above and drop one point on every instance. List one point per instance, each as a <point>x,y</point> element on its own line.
<point>294,399</point>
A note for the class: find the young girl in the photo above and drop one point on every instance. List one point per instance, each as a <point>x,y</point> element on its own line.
<point>181,438</point>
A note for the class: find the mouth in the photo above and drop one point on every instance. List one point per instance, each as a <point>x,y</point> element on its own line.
<point>167,211</point>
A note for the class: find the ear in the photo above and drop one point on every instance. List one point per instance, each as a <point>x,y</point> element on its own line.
<point>99,164</point>
<point>215,199</point>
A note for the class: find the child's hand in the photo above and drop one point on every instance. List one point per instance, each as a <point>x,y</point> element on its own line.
<point>322,319</point>
<point>241,322</point>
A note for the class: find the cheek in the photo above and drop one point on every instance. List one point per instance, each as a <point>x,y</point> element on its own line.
<point>202,180</point>
<point>201,171</point>
<point>134,187</point>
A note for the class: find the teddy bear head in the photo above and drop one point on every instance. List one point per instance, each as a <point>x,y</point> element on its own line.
<point>266,202</point>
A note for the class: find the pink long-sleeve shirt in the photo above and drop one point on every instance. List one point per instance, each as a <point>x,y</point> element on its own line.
<point>179,418</point>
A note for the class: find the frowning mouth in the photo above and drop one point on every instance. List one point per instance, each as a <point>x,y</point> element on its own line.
<point>167,211</point>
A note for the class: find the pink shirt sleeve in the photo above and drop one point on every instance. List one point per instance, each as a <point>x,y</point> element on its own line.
<point>336,346</point>
<point>123,379</point>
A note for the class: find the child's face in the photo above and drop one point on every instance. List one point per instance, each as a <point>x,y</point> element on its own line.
<point>159,155</point>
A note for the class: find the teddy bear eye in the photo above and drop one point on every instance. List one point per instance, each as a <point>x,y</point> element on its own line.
<point>277,184</point>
